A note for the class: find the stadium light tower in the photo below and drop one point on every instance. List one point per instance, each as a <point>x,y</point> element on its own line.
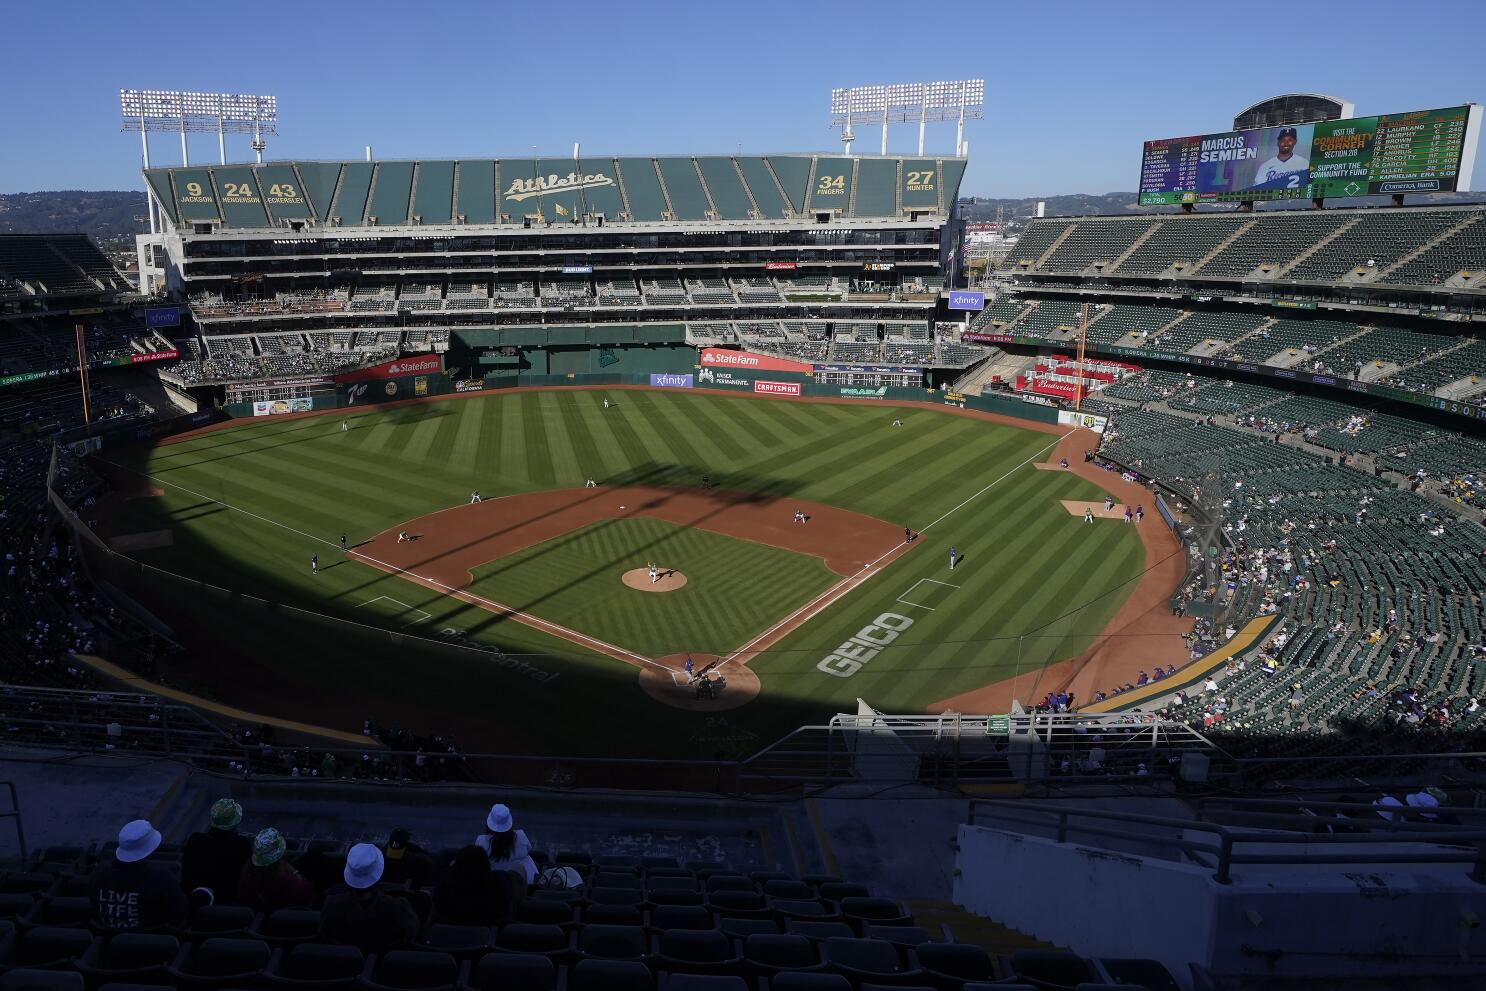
<point>958,100</point>
<point>146,110</point>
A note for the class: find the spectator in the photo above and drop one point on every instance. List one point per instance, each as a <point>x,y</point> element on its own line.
<point>268,881</point>
<point>405,861</point>
<point>363,916</point>
<point>214,860</point>
<point>507,848</point>
<point>129,892</point>
<point>470,894</point>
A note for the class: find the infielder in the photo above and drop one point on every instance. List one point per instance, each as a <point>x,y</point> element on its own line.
<point>402,535</point>
<point>474,497</point>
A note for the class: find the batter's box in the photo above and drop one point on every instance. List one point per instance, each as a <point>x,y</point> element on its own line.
<point>403,609</point>
<point>927,598</point>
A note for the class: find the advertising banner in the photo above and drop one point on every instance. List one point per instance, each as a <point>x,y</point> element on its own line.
<point>275,407</point>
<point>1421,151</point>
<point>978,338</point>
<point>767,388</point>
<point>862,392</point>
<point>670,380</point>
<point>871,369</point>
<point>1068,418</point>
<point>962,299</point>
<point>779,266</point>
<point>747,361</point>
<point>156,317</point>
<point>721,378</point>
<point>469,385</point>
<point>411,365</point>
<point>577,270</point>
<point>138,359</point>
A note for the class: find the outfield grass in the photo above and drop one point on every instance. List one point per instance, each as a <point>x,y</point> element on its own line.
<point>1027,561</point>
<point>734,588</point>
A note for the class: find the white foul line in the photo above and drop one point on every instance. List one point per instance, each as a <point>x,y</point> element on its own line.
<point>827,598</point>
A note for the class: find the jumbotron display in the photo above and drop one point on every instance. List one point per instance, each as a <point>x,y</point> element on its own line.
<point>1425,151</point>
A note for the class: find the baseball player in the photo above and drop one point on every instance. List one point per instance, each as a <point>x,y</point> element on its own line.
<point>344,426</point>
<point>606,402</point>
<point>690,669</point>
<point>897,422</point>
<point>907,535</point>
<point>1108,503</point>
<point>314,564</point>
<point>402,535</point>
<point>1284,163</point>
<point>654,574</point>
<point>1128,514</point>
<point>953,557</point>
<point>1139,513</point>
<point>343,543</point>
<point>1088,516</point>
<point>474,497</point>
<point>590,484</point>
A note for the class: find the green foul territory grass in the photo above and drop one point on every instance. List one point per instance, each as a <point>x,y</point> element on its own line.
<point>734,588</point>
<point>1034,585</point>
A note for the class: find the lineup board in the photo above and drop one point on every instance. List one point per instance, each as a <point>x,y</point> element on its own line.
<point>1419,152</point>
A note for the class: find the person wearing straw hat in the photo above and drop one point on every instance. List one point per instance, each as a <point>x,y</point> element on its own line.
<point>268,880</point>
<point>212,861</point>
<point>507,847</point>
<point>360,915</point>
<point>131,892</point>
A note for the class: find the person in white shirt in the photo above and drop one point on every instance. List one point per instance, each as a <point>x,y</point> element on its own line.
<point>1286,162</point>
<point>507,848</point>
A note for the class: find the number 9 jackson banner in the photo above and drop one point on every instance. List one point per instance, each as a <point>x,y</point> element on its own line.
<point>1423,151</point>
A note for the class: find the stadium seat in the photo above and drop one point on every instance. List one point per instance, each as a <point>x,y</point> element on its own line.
<point>512,972</point>
<point>287,926</point>
<point>902,935</point>
<point>16,905</point>
<point>613,915</point>
<point>871,960</point>
<point>949,965</point>
<point>220,962</point>
<point>675,896</point>
<point>739,904</point>
<point>27,883</point>
<point>605,942</point>
<point>60,912</point>
<point>549,941</point>
<point>703,982</point>
<point>808,981</point>
<point>462,942</point>
<point>696,951</point>
<point>667,882</point>
<point>805,909</point>
<point>24,979</point>
<point>740,928</point>
<point>610,975</point>
<point>788,888</point>
<point>310,966</point>
<point>1050,969</point>
<point>128,956</point>
<point>222,920</point>
<point>728,882</point>
<point>46,947</point>
<point>818,931</point>
<point>760,877</point>
<point>616,896</point>
<point>658,863</point>
<point>403,970</point>
<point>1150,974</point>
<point>878,911</point>
<point>837,890</point>
<point>664,917</point>
<point>545,911</point>
<point>767,954</point>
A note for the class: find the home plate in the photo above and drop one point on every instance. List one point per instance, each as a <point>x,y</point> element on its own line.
<point>1076,508</point>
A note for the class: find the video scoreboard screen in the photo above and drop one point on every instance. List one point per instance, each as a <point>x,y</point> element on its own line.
<point>1426,151</point>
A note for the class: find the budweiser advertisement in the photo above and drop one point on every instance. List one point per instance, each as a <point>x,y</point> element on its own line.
<point>748,361</point>
<point>414,364</point>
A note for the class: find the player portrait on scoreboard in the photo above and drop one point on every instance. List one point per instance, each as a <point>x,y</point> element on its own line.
<point>1284,158</point>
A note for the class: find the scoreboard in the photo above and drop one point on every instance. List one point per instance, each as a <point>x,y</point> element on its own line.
<point>1420,152</point>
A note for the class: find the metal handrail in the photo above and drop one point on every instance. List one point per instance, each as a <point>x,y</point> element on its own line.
<point>1469,844</point>
<point>14,812</point>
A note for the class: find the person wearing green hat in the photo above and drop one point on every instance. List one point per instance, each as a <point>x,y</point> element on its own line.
<point>268,880</point>
<point>212,861</point>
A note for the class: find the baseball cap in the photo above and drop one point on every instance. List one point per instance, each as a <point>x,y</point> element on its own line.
<point>1287,132</point>
<point>397,842</point>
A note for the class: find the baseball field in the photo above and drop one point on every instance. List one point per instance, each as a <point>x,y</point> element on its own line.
<point>802,613</point>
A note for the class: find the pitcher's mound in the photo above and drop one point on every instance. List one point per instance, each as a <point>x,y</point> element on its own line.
<point>669,685</point>
<point>668,581</point>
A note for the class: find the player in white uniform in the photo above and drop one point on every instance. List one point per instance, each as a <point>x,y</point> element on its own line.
<point>1283,164</point>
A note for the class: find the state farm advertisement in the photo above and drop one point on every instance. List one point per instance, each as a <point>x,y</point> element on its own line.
<point>750,362</point>
<point>416,364</point>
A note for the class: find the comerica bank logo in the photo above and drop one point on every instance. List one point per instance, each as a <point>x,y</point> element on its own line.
<point>525,189</point>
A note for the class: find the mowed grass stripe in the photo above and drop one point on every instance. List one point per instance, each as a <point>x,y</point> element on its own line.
<point>730,443</point>
<point>717,452</point>
<point>566,470</point>
<point>637,455</point>
<point>465,455</point>
<point>660,423</point>
<point>593,460</point>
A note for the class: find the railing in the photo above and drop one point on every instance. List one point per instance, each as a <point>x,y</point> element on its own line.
<point>1405,840</point>
<point>14,814</point>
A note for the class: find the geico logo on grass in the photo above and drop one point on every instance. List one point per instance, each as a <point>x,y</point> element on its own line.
<point>847,659</point>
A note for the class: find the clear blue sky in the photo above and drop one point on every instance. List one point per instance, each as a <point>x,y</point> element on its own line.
<point>1072,86</point>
